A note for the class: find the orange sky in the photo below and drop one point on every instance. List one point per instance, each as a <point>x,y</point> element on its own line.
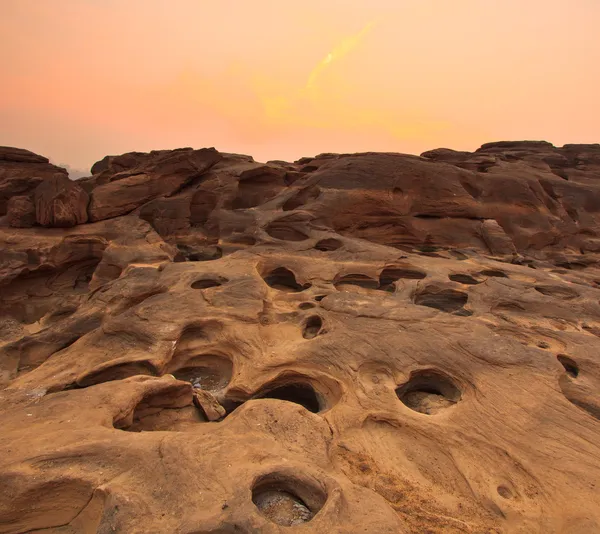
<point>281,79</point>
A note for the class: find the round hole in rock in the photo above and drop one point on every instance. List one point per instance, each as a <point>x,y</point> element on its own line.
<point>390,275</point>
<point>306,305</point>
<point>287,501</point>
<point>494,273</point>
<point>208,372</point>
<point>504,492</point>
<point>285,232</point>
<point>464,279</point>
<point>328,245</point>
<point>319,298</point>
<point>429,392</point>
<point>284,280</point>
<point>312,327</point>
<point>569,364</point>
<point>446,300</point>
<point>208,283</point>
<point>299,393</point>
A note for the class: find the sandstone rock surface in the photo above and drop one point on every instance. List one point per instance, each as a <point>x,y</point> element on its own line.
<point>60,202</point>
<point>376,343</point>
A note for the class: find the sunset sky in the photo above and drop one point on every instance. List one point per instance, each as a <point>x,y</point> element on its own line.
<point>281,79</point>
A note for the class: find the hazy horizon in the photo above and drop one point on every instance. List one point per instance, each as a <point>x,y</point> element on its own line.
<point>87,78</point>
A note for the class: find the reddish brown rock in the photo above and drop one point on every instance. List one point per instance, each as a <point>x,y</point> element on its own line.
<point>20,212</point>
<point>21,172</point>
<point>144,178</point>
<point>60,203</point>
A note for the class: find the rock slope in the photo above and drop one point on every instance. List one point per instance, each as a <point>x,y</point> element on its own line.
<point>193,342</point>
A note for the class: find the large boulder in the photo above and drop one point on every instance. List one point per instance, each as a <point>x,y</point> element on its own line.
<point>144,177</point>
<point>21,171</point>
<point>60,202</point>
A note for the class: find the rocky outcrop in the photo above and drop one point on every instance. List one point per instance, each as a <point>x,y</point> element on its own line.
<point>60,202</point>
<point>376,342</point>
<point>21,172</point>
<point>128,182</point>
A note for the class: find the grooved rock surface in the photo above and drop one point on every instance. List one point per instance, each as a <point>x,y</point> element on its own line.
<point>21,172</point>
<point>60,202</point>
<point>375,343</point>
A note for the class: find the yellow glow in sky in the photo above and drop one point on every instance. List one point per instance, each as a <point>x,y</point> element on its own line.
<point>280,80</point>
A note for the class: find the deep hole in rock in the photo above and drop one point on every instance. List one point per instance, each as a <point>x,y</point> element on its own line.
<point>429,392</point>
<point>569,364</point>
<point>169,409</point>
<point>494,273</point>
<point>464,279</point>
<point>328,245</point>
<point>392,274</point>
<point>299,393</point>
<point>359,280</point>
<point>312,327</point>
<point>284,280</point>
<point>209,254</point>
<point>287,501</point>
<point>504,492</point>
<point>446,300</point>
<point>207,371</point>
<point>207,283</point>
<point>319,298</point>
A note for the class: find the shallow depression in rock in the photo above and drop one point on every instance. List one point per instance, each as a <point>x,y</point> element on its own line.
<point>287,501</point>
<point>209,372</point>
<point>429,392</point>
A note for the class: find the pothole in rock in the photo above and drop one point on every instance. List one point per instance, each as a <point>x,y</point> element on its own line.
<point>207,283</point>
<point>301,393</point>
<point>284,231</point>
<point>319,298</point>
<point>390,275</point>
<point>287,501</point>
<point>464,279</point>
<point>570,366</point>
<point>169,409</point>
<point>429,392</point>
<point>312,327</point>
<point>504,492</point>
<point>328,245</point>
<point>208,253</point>
<point>446,300</point>
<point>283,279</point>
<point>493,273</point>
<point>560,292</point>
<point>209,372</point>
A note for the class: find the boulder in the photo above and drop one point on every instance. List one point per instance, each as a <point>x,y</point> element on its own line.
<point>21,171</point>
<point>60,202</point>
<point>141,178</point>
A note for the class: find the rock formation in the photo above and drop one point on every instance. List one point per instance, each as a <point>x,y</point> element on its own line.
<point>193,342</point>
